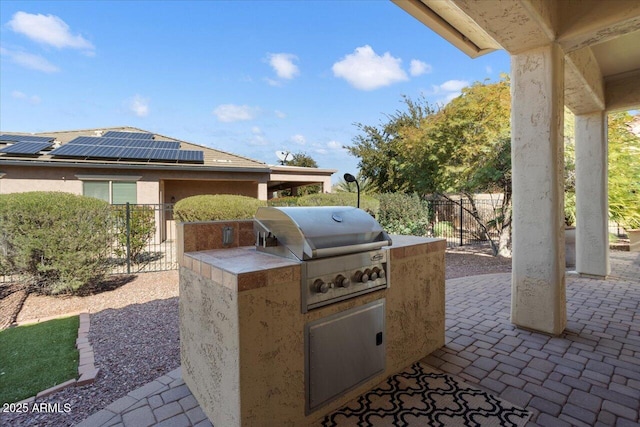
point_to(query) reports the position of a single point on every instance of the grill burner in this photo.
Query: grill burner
(339, 246)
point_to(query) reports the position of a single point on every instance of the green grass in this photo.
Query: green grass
(36, 357)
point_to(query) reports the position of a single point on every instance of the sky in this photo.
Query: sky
(247, 77)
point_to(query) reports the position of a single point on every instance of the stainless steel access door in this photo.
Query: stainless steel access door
(342, 351)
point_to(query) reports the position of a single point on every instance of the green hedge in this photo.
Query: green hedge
(367, 203)
(216, 207)
(283, 201)
(60, 241)
(403, 214)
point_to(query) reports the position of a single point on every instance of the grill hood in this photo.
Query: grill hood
(306, 233)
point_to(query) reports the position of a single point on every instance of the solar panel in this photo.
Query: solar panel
(72, 150)
(111, 147)
(20, 138)
(106, 152)
(190, 156)
(163, 154)
(135, 153)
(26, 147)
(128, 135)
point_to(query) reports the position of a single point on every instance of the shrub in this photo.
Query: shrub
(141, 229)
(216, 207)
(283, 201)
(403, 214)
(367, 203)
(60, 241)
(443, 229)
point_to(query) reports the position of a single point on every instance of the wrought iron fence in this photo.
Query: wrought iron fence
(144, 238)
(453, 221)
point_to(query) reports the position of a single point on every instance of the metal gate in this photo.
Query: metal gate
(144, 238)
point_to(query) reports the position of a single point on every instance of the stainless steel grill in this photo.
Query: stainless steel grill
(317, 232)
(341, 255)
(340, 247)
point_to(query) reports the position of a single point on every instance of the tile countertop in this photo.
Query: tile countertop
(247, 259)
(240, 260)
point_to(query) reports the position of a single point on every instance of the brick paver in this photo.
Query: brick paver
(590, 375)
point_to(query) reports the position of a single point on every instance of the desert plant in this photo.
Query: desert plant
(570, 208)
(59, 241)
(216, 207)
(401, 213)
(142, 226)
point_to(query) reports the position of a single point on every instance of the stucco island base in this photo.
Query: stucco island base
(242, 329)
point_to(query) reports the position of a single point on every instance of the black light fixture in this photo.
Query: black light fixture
(350, 178)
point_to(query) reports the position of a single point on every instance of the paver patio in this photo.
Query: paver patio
(590, 375)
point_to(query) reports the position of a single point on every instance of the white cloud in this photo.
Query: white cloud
(366, 70)
(29, 60)
(418, 68)
(334, 145)
(453, 85)
(283, 65)
(449, 90)
(258, 137)
(280, 114)
(31, 99)
(49, 30)
(233, 113)
(139, 105)
(299, 139)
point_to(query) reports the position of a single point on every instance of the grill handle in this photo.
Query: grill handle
(342, 250)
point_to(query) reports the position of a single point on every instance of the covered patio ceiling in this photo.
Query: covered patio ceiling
(590, 32)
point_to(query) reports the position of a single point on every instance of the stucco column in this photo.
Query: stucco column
(538, 297)
(592, 198)
(262, 191)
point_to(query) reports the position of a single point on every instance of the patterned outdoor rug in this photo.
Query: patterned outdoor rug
(421, 396)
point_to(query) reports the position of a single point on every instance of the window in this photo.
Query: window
(115, 192)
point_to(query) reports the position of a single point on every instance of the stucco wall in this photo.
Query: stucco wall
(20, 180)
(17, 179)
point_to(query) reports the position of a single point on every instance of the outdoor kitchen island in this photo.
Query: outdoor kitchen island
(242, 331)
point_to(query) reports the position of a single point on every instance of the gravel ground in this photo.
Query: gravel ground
(134, 333)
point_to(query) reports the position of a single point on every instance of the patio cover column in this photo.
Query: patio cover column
(262, 191)
(538, 297)
(592, 204)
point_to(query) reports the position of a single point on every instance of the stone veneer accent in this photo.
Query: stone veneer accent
(87, 372)
(242, 330)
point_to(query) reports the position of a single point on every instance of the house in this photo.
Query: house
(126, 164)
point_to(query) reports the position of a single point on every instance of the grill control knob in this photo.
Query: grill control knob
(359, 276)
(381, 273)
(366, 276)
(320, 286)
(342, 281)
(375, 273)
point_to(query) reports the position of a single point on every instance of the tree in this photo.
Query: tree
(366, 185)
(306, 161)
(302, 160)
(463, 148)
(624, 171)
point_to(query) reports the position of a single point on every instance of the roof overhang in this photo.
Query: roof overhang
(600, 40)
